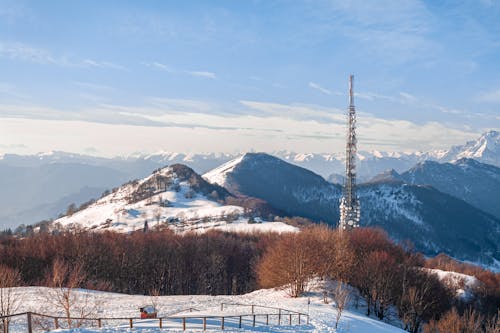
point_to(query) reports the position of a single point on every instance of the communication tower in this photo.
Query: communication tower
(349, 203)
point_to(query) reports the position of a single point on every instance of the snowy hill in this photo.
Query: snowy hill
(174, 197)
(322, 316)
(434, 221)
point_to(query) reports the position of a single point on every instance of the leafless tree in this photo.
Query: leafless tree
(340, 295)
(9, 303)
(288, 263)
(63, 295)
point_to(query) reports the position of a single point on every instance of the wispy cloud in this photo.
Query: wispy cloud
(163, 67)
(20, 51)
(102, 64)
(158, 65)
(93, 86)
(319, 88)
(208, 75)
(24, 52)
(490, 96)
(263, 125)
(394, 32)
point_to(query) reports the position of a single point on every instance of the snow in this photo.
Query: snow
(463, 284)
(218, 175)
(322, 316)
(177, 208)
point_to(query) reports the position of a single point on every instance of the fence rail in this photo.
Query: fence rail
(281, 317)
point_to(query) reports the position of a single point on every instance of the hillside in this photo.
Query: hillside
(434, 221)
(476, 183)
(174, 197)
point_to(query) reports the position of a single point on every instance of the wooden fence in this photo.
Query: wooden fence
(256, 314)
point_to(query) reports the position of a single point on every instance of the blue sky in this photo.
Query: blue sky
(119, 77)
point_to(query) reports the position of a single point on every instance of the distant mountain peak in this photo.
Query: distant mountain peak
(388, 176)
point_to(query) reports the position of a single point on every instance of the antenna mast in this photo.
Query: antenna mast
(349, 203)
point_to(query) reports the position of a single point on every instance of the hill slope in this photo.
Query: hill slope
(432, 220)
(173, 197)
(467, 179)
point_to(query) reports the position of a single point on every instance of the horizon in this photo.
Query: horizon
(120, 77)
(219, 153)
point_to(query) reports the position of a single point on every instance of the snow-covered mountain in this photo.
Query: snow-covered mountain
(174, 197)
(476, 183)
(41, 186)
(486, 149)
(434, 221)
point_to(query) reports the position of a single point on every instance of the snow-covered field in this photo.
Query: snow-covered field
(322, 316)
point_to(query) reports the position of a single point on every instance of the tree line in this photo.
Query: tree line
(137, 263)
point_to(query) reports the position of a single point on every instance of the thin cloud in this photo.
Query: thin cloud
(20, 51)
(24, 52)
(158, 65)
(490, 96)
(319, 88)
(93, 86)
(204, 74)
(102, 64)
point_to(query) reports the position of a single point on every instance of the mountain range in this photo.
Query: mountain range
(41, 186)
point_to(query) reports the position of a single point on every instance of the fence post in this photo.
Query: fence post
(30, 327)
(99, 323)
(56, 323)
(253, 321)
(4, 322)
(161, 322)
(222, 324)
(279, 317)
(131, 324)
(240, 323)
(267, 319)
(299, 318)
(290, 320)
(204, 323)
(184, 323)
(307, 319)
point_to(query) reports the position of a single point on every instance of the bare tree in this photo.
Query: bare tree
(155, 297)
(63, 281)
(340, 295)
(288, 263)
(9, 303)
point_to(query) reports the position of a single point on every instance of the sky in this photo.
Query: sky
(124, 77)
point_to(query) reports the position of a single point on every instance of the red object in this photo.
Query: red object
(148, 312)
